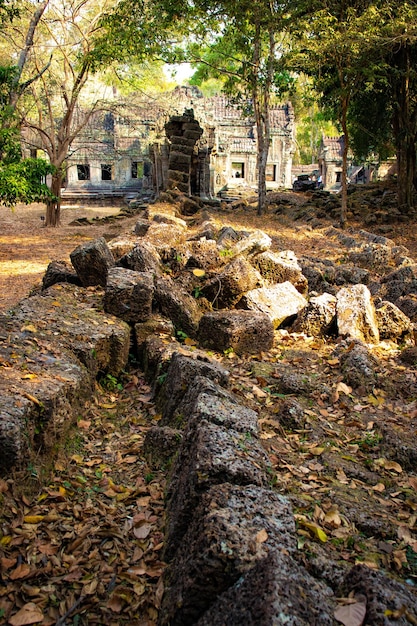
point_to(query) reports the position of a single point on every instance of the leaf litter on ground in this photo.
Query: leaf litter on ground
(85, 546)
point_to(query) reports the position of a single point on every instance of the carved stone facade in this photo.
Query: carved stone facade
(196, 144)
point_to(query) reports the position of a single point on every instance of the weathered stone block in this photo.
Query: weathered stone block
(317, 317)
(37, 412)
(161, 445)
(92, 262)
(276, 591)
(384, 596)
(71, 315)
(226, 288)
(59, 272)
(155, 325)
(141, 227)
(192, 134)
(279, 267)
(129, 294)
(246, 332)
(178, 306)
(181, 374)
(142, 258)
(256, 242)
(356, 316)
(400, 283)
(179, 162)
(178, 177)
(393, 323)
(208, 455)
(203, 254)
(164, 218)
(163, 234)
(206, 400)
(279, 302)
(157, 355)
(232, 529)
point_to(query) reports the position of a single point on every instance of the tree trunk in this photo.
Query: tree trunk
(404, 126)
(343, 210)
(261, 104)
(53, 207)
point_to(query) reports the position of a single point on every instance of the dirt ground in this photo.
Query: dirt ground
(27, 247)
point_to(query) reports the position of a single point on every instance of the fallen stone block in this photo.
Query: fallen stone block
(155, 325)
(226, 288)
(59, 272)
(178, 306)
(245, 332)
(208, 455)
(43, 387)
(254, 243)
(157, 353)
(143, 257)
(280, 302)
(384, 597)
(318, 317)
(70, 316)
(92, 261)
(206, 400)
(129, 294)
(276, 591)
(401, 282)
(165, 234)
(356, 316)
(232, 529)
(393, 323)
(160, 445)
(358, 366)
(120, 246)
(203, 254)
(181, 374)
(279, 267)
(141, 227)
(164, 218)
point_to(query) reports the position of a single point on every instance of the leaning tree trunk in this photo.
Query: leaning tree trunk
(53, 206)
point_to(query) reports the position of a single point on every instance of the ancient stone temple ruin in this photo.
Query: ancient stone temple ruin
(196, 144)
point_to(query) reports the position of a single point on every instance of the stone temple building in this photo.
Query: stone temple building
(199, 145)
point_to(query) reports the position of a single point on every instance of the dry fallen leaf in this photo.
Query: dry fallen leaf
(30, 613)
(20, 572)
(351, 614)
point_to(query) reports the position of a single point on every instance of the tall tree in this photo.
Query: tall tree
(238, 40)
(333, 39)
(55, 48)
(21, 180)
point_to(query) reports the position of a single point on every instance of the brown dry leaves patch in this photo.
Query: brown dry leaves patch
(85, 548)
(351, 503)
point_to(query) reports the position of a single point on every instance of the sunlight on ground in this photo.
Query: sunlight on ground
(15, 268)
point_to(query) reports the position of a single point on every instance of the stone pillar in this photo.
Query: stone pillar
(183, 132)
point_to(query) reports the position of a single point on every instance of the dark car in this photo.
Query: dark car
(304, 183)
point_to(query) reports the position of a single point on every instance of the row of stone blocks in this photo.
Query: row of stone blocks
(53, 346)
(230, 539)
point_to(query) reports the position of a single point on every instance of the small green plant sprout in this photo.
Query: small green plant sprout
(197, 291)
(225, 252)
(110, 383)
(181, 335)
